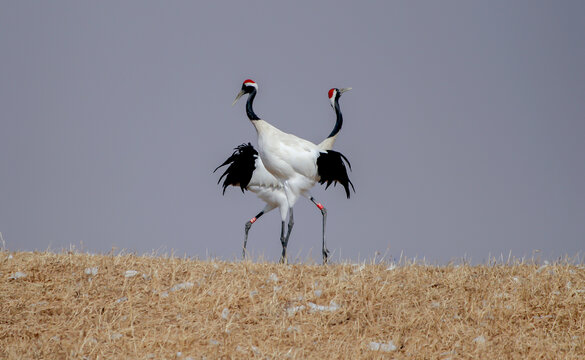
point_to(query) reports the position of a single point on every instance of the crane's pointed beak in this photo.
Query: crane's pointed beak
(344, 90)
(242, 92)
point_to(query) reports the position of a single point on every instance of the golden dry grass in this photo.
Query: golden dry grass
(184, 308)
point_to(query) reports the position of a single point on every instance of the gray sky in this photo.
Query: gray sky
(465, 126)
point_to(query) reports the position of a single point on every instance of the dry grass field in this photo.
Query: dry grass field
(80, 306)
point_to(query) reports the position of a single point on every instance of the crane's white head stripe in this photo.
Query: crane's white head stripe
(251, 83)
(332, 95)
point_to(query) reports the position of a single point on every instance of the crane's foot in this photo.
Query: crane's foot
(325, 256)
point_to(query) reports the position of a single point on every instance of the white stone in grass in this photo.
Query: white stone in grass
(121, 300)
(91, 271)
(479, 340)
(181, 286)
(333, 306)
(225, 313)
(131, 273)
(375, 346)
(213, 342)
(116, 336)
(386, 347)
(273, 277)
(453, 352)
(318, 293)
(164, 294)
(294, 309)
(17, 275)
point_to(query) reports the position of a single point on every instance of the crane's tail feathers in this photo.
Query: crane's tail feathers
(242, 163)
(344, 158)
(332, 170)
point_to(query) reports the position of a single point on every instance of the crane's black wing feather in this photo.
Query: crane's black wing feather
(242, 164)
(331, 169)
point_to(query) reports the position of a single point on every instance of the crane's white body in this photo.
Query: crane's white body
(263, 183)
(268, 189)
(290, 159)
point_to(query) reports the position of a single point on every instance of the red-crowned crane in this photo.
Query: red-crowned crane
(296, 163)
(247, 171)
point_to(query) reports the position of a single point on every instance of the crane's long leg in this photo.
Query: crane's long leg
(248, 225)
(284, 240)
(246, 229)
(290, 200)
(324, 213)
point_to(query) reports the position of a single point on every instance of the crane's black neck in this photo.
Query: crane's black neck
(249, 111)
(339, 121)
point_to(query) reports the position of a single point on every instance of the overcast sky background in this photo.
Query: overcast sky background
(465, 126)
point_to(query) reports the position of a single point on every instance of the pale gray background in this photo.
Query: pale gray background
(465, 126)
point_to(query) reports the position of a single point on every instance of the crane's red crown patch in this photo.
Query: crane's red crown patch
(331, 93)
